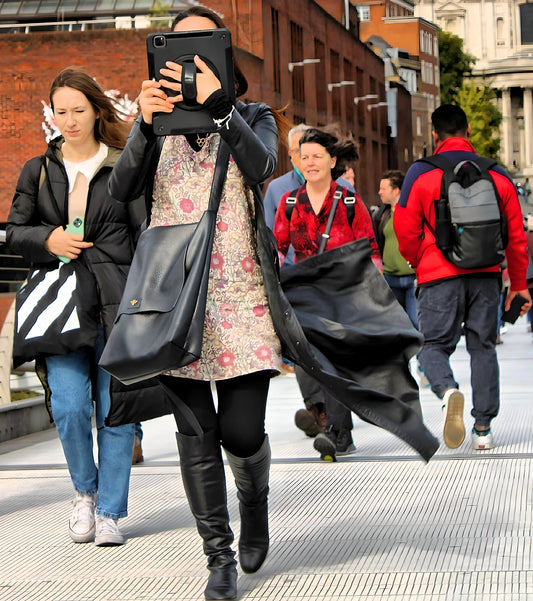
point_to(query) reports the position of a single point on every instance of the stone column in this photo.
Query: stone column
(507, 135)
(528, 128)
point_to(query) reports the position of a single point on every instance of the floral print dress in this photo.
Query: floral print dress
(239, 336)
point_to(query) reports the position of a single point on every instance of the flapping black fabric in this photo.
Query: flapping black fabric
(338, 320)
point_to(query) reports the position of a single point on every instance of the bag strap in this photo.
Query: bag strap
(219, 176)
(185, 410)
(325, 236)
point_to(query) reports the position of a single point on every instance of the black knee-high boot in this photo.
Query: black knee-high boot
(202, 471)
(251, 478)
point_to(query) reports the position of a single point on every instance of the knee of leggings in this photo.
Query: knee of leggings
(242, 446)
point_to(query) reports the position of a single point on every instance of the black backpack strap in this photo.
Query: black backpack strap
(441, 162)
(349, 203)
(290, 202)
(485, 163)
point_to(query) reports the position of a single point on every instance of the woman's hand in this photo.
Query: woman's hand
(153, 99)
(206, 81)
(61, 243)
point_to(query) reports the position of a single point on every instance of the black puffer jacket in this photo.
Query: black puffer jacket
(40, 205)
(252, 138)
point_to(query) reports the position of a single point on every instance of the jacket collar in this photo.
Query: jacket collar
(455, 143)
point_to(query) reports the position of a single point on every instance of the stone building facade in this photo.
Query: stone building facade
(500, 35)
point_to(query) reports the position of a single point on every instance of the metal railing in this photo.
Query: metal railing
(121, 22)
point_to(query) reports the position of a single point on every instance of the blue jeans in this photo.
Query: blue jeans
(403, 288)
(69, 378)
(445, 311)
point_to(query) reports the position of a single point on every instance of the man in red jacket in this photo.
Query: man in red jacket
(452, 300)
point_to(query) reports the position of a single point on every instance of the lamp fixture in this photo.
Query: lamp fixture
(367, 97)
(340, 84)
(369, 107)
(306, 61)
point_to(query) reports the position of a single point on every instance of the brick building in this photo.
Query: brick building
(268, 35)
(412, 47)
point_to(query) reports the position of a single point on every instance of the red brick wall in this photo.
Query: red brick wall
(115, 58)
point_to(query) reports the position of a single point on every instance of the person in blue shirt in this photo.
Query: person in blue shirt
(288, 181)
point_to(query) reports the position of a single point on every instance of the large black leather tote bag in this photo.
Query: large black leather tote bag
(160, 320)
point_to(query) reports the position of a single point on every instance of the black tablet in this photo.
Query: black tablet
(213, 46)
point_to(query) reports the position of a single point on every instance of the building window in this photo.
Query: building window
(320, 72)
(298, 81)
(275, 51)
(500, 36)
(334, 70)
(363, 12)
(373, 111)
(348, 93)
(526, 23)
(360, 91)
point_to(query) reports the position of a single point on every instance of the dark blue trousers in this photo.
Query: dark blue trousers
(448, 309)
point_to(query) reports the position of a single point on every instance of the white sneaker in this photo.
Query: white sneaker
(81, 525)
(454, 428)
(107, 532)
(482, 441)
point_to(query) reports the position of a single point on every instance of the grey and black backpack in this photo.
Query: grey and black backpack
(470, 229)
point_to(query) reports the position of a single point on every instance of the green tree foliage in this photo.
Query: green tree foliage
(454, 64)
(160, 9)
(483, 116)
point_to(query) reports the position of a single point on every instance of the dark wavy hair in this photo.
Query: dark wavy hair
(343, 148)
(108, 128)
(241, 83)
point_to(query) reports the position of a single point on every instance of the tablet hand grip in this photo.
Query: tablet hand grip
(188, 83)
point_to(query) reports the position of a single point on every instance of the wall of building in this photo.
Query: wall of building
(117, 59)
(492, 31)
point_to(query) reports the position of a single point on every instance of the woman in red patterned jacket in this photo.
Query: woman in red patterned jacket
(323, 159)
(302, 223)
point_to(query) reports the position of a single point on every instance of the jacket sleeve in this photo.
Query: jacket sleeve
(26, 234)
(516, 251)
(254, 147)
(129, 175)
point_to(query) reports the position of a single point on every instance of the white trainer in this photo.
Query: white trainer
(454, 428)
(482, 441)
(81, 526)
(107, 532)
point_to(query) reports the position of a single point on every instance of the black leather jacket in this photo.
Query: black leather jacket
(40, 205)
(252, 138)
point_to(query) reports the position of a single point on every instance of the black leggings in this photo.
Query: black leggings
(240, 419)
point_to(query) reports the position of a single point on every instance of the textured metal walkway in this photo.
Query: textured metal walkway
(380, 524)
